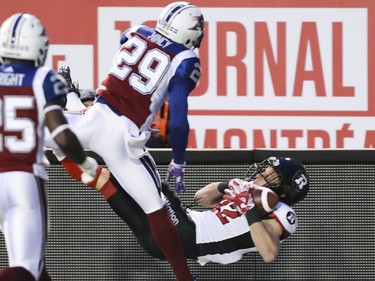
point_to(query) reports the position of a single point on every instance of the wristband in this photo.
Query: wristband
(222, 186)
(252, 216)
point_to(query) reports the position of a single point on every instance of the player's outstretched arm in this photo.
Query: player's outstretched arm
(68, 141)
(265, 236)
(264, 233)
(213, 193)
(209, 195)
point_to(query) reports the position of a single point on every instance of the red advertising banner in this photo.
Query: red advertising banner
(295, 75)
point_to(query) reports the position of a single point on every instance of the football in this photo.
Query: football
(264, 198)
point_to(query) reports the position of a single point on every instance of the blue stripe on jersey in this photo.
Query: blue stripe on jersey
(27, 71)
(146, 31)
(184, 71)
(148, 164)
(123, 37)
(15, 26)
(54, 88)
(176, 48)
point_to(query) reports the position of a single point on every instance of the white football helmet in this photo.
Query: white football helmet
(23, 37)
(182, 22)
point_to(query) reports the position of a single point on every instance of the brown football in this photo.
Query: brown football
(265, 199)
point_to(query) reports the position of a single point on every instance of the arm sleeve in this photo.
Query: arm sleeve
(179, 88)
(55, 90)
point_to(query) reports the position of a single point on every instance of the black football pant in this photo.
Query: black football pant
(133, 215)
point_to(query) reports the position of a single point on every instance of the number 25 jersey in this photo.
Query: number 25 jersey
(24, 91)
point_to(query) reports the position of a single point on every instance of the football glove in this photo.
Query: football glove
(242, 200)
(64, 71)
(239, 185)
(89, 170)
(177, 171)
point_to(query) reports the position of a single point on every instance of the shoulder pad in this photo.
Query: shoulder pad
(286, 216)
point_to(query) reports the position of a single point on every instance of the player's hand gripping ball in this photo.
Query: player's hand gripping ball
(264, 198)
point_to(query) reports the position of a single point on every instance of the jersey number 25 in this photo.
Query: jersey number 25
(11, 123)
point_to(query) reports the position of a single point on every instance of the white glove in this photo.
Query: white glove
(89, 169)
(238, 185)
(239, 193)
(242, 200)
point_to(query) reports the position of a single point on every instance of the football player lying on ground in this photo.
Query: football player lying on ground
(235, 226)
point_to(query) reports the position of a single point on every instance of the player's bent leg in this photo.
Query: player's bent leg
(27, 213)
(132, 214)
(141, 181)
(167, 238)
(164, 232)
(184, 224)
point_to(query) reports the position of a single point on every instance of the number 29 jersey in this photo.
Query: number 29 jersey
(147, 69)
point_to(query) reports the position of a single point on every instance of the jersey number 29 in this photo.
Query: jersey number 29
(142, 66)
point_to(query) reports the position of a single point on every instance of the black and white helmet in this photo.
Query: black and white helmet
(183, 23)
(292, 183)
(23, 37)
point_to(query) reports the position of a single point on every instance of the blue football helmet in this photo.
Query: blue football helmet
(291, 181)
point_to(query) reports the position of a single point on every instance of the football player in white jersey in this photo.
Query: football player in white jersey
(31, 98)
(228, 231)
(229, 227)
(151, 66)
(221, 234)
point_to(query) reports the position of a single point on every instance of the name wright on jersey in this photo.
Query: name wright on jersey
(11, 79)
